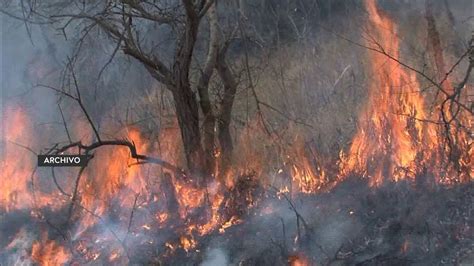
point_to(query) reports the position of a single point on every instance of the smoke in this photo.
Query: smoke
(16, 253)
(215, 257)
(15, 247)
(27, 62)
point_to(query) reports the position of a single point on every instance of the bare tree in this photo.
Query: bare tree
(137, 28)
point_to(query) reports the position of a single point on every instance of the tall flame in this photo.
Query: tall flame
(19, 186)
(15, 177)
(392, 137)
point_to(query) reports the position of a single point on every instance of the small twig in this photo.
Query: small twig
(57, 184)
(64, 123)
(293, 208)
(74, 195)
(24, 147)
(131, 215)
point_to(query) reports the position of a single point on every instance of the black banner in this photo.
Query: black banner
(62, 160)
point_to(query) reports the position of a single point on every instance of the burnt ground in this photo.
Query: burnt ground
(397, 224)
(401, 223)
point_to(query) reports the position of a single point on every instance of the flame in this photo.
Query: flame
(405, 246)
(383, 142)
(49, 253)
(393, 141)
(20, 188)
(307, 175)
(15, 161)
(187, 242)
(189, 197)
(233, 221)
(298, 260)
(114, 255)
(215, 218)
(162, 217)
(109, 176)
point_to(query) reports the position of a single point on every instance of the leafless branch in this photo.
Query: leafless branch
(125, 143)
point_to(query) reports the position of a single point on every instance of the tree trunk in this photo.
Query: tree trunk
(187, 108)
(230, 87)
(209, 123)
(188, 120)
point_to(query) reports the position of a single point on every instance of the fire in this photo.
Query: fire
(215, 218)
(49, 253)
(114, 255)
(234, 220)
(187, 242)
(162, 217)
(405, 246)
(298, 260)
(20, 187)
(306, 172)
(393, 141)
(189, 197)
(383, 142)
(112, 175)
(15, 161)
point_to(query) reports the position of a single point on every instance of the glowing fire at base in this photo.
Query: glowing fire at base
(298, 260)
(49, 253)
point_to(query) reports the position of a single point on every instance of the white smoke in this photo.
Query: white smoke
(215, 257)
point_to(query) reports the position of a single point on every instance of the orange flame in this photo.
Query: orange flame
(49, 253)
(20, 188)
(15, 161)
(392, 140)
(298, 260)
